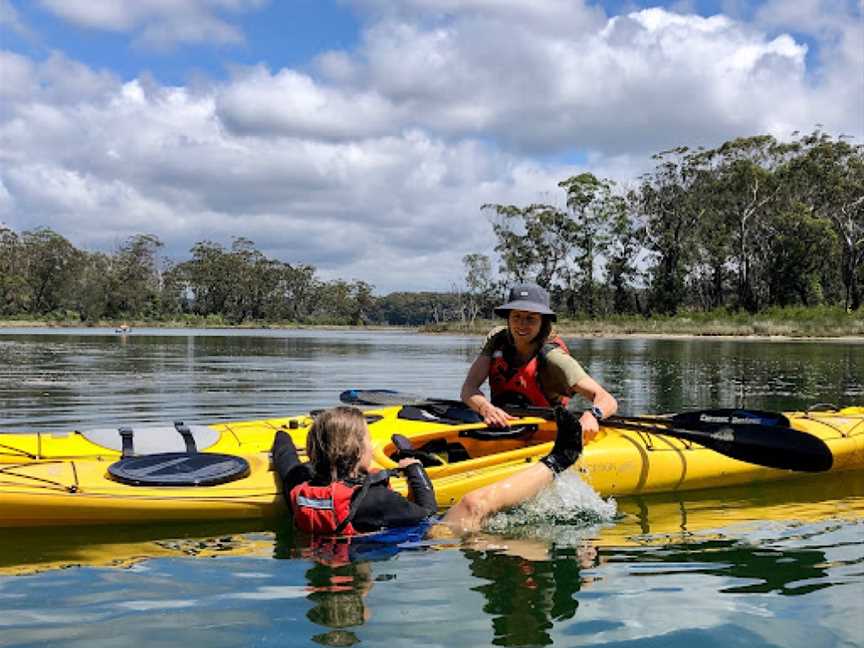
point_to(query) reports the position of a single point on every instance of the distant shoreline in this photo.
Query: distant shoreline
(665, 329)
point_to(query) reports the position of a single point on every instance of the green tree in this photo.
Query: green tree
(136, 277)
(95, 287)
(798, 247)
(671, 213)
(827, 176)
(534, 242)
(622, 254)
(480, 286)
(50, 265)
(592, 206)
(13, 285)
(742, 197)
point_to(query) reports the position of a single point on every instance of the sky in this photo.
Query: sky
(363, 136)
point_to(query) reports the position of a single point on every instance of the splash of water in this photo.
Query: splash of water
(568, 502)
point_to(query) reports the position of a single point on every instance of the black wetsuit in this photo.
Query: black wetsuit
(380, 507)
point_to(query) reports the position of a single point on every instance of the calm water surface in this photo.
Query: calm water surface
(775, 565)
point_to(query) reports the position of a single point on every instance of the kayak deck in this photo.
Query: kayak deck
(52, 479)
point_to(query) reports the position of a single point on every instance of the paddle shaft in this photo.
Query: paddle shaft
(773, 446)
(766, 445)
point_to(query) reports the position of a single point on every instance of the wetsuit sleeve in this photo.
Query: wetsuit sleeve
(290, 470)
(420, 486)
(383, 508)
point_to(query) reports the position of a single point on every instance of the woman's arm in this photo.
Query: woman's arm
(591, 390)
(383, 508)
(474, 398)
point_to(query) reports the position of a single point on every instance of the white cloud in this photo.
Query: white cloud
(157, 23)
(375, 166)
(397, 210)
(292, 104)
(636, 82)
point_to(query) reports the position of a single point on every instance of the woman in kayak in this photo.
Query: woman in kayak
(527, 363)
(337, 493)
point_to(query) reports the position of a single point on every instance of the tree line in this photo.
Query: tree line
(42, 275)
(751, 224)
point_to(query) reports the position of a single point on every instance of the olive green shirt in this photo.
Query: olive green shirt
(557, 373)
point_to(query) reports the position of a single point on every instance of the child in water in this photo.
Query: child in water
(336, 493)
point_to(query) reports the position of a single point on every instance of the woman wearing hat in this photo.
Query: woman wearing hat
(526, 363)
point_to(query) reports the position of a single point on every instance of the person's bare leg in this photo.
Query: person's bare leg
(469, 513)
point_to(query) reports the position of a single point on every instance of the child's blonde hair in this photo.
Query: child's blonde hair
(335, 443)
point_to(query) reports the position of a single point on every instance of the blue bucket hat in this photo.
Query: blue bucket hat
(527, 297)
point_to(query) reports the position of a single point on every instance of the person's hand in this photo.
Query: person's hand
(590, 426)
(404, 463)
(495, 416)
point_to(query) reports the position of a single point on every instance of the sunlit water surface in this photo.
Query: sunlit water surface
(774, 565)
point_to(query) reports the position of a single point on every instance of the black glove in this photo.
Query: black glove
(568, 442)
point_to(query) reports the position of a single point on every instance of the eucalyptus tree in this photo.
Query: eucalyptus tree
(94, 289)
(827, 176)
(738, 185)
(136, 277)
(624, 247)
(252, 281)
(208, 277)
(481, 287)
(671, 212)
(534, 242)
(13, 287)
(362, 302)
(50, 264)
(798, 247)
(592, 206)
(297, 292)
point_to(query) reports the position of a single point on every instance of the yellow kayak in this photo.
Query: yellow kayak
(68, 478)
(665, 519)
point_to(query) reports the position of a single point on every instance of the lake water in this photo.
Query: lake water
(774, 565)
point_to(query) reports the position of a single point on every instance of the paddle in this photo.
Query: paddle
(727, 432)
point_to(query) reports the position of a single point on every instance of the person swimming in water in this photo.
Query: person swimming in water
(337, 493)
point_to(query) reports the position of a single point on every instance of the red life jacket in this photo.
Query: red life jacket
(319, 510)
(515, 385)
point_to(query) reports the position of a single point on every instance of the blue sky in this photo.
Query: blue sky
(362, 136)
(282, 34)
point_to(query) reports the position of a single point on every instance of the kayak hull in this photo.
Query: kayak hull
(62, 479)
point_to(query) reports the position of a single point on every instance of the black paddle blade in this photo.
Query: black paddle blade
(771, 445)
(766, 445)
(739, 416)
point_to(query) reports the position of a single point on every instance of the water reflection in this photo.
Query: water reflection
(338, 595)
(57, 380)
(526, 595)
(761, 569)
(620, 582)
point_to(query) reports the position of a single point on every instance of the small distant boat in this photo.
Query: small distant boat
(123, 329)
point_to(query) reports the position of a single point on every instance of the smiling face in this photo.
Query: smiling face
(524, 326)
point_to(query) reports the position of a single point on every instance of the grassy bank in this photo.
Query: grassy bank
(191, 322)
(788, 322)
(817, 321)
